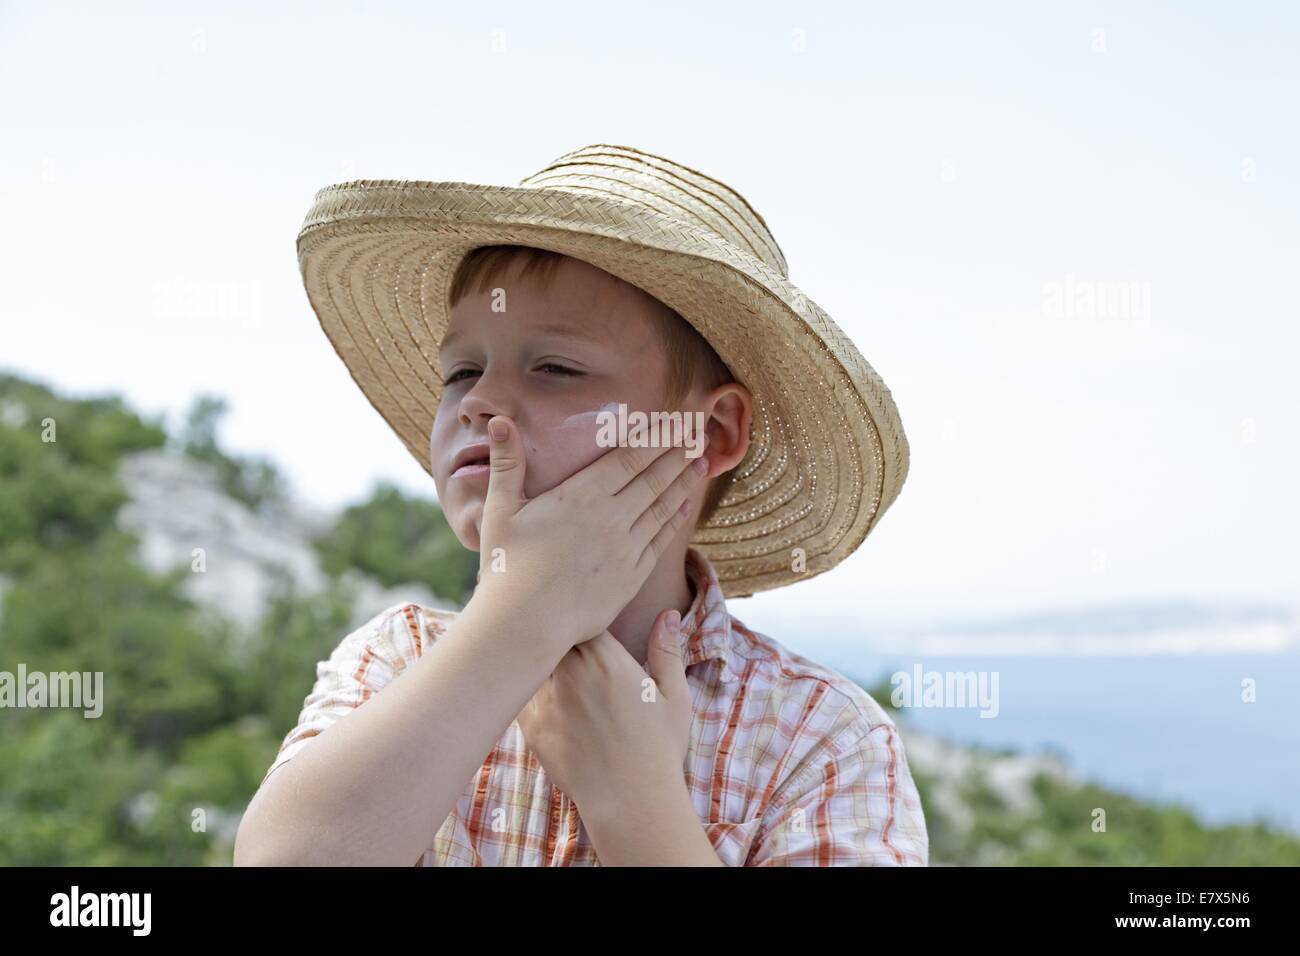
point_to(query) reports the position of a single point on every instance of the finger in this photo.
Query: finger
(619, 467)
(655, 480)
(505, 493)
(659, 544)
(661, 509)
(665, 663)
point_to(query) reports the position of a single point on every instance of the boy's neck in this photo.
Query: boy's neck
(667, 587)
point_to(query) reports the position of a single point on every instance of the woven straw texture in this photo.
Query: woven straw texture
(827, 452)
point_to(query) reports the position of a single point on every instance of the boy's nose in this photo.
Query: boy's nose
(491, 393)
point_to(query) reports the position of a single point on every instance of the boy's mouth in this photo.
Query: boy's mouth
(472, 461)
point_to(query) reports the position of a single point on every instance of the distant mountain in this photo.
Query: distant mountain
(1127, 629)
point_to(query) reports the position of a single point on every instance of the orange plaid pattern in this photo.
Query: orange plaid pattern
(789, 763)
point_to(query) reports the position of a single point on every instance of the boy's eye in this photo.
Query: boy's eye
(551, 367)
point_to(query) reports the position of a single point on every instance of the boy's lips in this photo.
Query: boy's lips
(472, 461)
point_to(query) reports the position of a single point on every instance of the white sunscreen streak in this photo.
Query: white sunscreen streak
(585, 419)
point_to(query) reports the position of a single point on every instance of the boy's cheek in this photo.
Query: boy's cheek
(565, 453)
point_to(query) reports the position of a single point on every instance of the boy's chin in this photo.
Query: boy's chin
(465, 525)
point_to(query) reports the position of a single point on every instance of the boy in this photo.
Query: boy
(595, 703)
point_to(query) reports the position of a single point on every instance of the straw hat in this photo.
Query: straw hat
(827, 452)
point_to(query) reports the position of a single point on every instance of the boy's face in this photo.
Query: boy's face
(548, 361)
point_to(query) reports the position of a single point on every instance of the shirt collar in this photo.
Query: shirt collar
(706, 626)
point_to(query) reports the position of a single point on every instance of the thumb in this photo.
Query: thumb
(505, 493)
(664, 662)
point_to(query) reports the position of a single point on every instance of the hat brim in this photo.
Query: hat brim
(827, 452)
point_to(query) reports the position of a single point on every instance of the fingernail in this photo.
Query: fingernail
(498, 430)
(701, 464)
(674, 619)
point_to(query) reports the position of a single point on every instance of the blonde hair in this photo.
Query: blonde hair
(692, 361)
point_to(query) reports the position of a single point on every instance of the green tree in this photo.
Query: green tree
(398, 539)
(252, 480)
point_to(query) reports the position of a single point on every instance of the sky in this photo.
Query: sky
(1064, 234)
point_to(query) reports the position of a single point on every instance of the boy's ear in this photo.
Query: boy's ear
(728, 410)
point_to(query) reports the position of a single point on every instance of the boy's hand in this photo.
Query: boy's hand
(576, 555)
(611, 737)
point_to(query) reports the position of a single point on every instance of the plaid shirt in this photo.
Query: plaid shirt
(789, 762)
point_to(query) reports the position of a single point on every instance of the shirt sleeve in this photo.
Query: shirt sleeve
(362, 664)
(854, 805)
